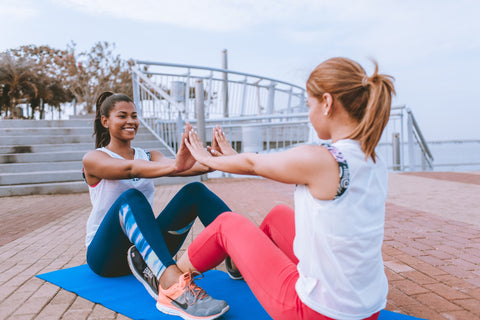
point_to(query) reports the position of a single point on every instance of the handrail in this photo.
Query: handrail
(422, 141)
(164, 144)
(215, 69)
(162, 92)
(266, 115)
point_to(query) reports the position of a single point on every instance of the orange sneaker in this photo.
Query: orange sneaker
(189, 301)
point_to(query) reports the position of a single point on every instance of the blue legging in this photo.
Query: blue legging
(107, 253)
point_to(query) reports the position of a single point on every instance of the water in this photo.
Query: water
(451, 155)
(456, 155)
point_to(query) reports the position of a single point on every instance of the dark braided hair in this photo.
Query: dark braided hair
(105, 103)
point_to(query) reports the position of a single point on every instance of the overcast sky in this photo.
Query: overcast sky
(432, 48)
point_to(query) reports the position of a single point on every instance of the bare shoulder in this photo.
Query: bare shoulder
(316, 154)
(93, 155)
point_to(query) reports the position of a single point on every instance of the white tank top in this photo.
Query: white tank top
(104, 193)
(339, 242)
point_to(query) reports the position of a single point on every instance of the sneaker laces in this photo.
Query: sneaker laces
(197, 292)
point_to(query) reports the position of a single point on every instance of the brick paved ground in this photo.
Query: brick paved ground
(431, 248)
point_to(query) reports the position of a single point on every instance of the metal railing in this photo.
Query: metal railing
(166, 96)
(402, 144)
(258, 114)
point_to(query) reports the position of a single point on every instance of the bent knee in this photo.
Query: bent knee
(278, 213)
(195, 187)
(230, 218)
(133, 193)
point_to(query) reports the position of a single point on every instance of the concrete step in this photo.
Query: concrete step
(40, 177)
(54, 156)
(46, 131)
(74, 187)
(58, 139)
(148, 144)
(42, 156)
(40, 166)
(17, 123)
(43, 188)
(54, 131)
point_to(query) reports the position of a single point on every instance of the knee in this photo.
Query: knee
(195, 188)
(228, 219)
(133, 194)
(278, 213)
(134, 199)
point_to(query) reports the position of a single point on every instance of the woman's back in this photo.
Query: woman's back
(338, 242)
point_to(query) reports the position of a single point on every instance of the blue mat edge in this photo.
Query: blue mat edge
(384, 314)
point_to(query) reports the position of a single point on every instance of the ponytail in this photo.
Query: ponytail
(366, 99)
(102, 136)
(377, 112)
(105, 103)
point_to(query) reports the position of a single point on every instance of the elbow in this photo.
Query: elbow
(251, 168)
(131, 171)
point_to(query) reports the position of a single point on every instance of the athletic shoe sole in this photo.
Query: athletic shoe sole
(140, 277)
(172, 310)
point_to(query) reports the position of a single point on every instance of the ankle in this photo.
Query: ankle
(169, 277)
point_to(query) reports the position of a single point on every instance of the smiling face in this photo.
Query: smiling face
(122, 121)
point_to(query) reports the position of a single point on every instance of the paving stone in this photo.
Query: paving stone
(432, 262)
(441, 304)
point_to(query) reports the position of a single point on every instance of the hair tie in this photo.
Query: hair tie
(365, 81)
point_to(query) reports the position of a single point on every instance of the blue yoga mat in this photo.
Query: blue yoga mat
(127, 296)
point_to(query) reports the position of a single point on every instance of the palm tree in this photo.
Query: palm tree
(18, 79)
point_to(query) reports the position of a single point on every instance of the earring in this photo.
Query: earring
(325, 113)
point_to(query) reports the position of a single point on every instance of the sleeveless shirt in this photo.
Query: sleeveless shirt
(339, 242)
(106, 192)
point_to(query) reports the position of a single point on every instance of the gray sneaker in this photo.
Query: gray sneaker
(232, 269)
(189, 301)
(142, 272)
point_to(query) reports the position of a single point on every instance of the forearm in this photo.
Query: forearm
(197, 169)
(243, 163)
(153, 169)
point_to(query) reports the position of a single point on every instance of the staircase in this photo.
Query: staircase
(45, 157)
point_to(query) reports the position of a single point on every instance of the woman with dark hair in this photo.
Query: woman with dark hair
(122, 191)
(323, 260)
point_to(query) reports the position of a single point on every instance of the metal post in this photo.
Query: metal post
(396, 151)
(136, 93)
(289, 104)
(179, 131)
(244, 96)
(271, 98)
(225, 84)
(200, 111)
(411, 143)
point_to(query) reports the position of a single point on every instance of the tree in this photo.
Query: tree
(18, 78)
(97, 71)
(41, 75)
(51, 67)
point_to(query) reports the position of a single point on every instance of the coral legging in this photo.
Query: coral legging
(263, 255)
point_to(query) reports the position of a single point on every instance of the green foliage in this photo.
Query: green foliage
(18, 79)
(39, 75)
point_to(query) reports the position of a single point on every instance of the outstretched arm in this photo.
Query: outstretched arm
(295, 166)
(98, 165)
(310, 165)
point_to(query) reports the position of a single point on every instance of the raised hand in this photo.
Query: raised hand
(195, 146)
(184, 159)
(220, 144)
